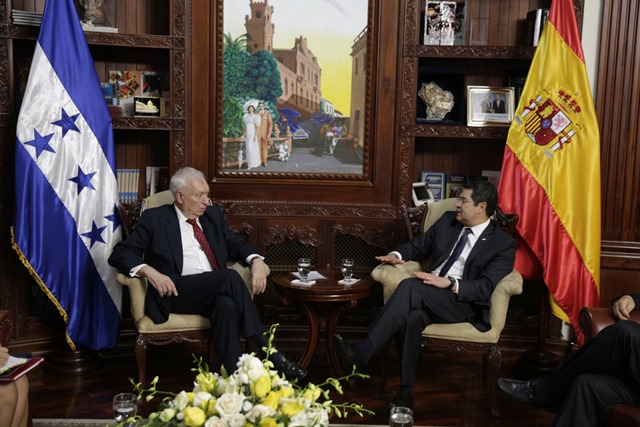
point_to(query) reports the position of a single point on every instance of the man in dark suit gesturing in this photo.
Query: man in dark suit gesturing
(469, 255)
(182, 251)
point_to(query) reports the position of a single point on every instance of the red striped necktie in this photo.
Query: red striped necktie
(204, 243)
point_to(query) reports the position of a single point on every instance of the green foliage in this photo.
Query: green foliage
(233, 125)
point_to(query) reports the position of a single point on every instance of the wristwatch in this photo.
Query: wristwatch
(452, 282)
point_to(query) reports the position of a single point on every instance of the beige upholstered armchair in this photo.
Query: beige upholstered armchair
(179, 327)
(458, 336)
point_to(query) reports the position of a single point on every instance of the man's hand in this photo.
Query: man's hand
(258, 276)
(163, 284)
(4, 355)
(432, 279)
(390, 259)
(623, 307)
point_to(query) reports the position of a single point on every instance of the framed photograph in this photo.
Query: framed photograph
(294, 101)
(489, 106)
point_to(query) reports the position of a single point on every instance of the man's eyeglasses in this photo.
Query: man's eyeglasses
(463, 200)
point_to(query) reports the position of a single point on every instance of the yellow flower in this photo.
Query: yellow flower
(272, 399)
(207, 382)
(291, 408)
(267, 422)
(286, 391)
(190, 396)
(261, 387)
(312, 393)
(194, 417)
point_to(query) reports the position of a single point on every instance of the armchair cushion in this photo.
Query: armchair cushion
(176, 322)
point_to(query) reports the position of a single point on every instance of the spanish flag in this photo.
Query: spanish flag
(551, 170)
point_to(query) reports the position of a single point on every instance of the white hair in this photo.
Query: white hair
(183, 177)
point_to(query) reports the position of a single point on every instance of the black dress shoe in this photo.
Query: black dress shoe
(523, 393)
(291, 370)
(347, 354)
(404, 398)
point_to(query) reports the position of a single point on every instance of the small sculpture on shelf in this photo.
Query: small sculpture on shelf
(439, 102)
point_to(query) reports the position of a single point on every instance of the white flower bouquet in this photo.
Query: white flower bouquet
(253, 396)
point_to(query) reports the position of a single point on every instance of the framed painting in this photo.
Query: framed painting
(294, 88)
(489, 106)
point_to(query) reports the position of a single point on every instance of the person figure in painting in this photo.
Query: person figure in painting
(264, 132)
(252, 146)
(486, 104)
(499, 105)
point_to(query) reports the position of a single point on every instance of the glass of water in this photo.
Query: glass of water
(125, 406)
(347, 269)
(304, 266)
(401, 417)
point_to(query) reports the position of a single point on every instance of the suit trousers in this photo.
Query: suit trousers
(411, 308)
(224, 299)
(602, 373)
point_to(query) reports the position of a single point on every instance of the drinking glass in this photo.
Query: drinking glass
(125, 406)
(401, 417)
(347, 269)
(304, 266)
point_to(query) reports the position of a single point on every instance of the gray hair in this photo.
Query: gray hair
(183, 177)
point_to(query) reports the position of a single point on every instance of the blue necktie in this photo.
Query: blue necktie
(456, 252)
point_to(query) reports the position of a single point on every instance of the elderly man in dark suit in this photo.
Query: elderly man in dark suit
(469, 255)
(182, 251)
(602, 373)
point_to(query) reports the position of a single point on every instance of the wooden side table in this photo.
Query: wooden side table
(322, 303)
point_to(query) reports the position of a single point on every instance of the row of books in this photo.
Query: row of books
(127, 184)
(442, 186)
(156, 179)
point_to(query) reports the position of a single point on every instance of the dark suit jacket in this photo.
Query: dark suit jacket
(156, 241)
(490, 260)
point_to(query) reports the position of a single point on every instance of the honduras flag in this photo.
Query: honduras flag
(66, 218)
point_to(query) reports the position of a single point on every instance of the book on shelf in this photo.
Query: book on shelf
(17, 367)
(128, 185)
(454, 185)
(157, 179)
(535, 23)
(436, 182)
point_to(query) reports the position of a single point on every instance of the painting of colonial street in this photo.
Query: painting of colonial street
(294, 86)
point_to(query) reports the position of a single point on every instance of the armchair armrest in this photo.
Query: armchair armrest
(389, 276)
(594, 319)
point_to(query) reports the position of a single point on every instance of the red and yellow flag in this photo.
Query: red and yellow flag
(551, 170)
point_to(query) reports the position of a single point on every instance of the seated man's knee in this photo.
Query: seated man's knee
(625, 329)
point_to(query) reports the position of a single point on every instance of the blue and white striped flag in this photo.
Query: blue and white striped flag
(66, 219)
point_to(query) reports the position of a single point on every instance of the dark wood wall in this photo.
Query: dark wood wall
(618, 110)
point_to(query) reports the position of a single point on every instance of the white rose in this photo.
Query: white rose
(215, 422)
(229, 404)
(236, 420)
(180, 401)
(259, 411)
